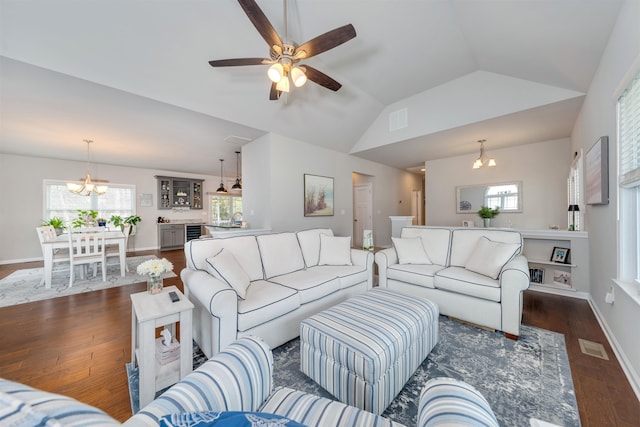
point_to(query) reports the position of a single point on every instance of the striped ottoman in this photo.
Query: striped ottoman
(364, 349)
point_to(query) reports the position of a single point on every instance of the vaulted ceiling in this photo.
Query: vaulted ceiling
(134, 77)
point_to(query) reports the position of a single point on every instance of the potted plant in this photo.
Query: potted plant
(57, 223)
(486, 213)
(118, 221)
(101, 222)
(86, 218)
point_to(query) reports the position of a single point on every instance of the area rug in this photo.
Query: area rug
(24, 286)
(528, 378)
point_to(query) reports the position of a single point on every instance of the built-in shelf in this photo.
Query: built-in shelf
(538, 248)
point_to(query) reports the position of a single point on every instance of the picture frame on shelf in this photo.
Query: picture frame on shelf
(560, 255)
(561, 277)
(468, 223)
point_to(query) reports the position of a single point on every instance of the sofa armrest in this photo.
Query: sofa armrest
(384, 259)
(215, 314)
(447, 401)
(362, 258)
(239, 378)
(514, 279)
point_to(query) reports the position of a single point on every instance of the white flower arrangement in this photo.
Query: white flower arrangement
(154, 267)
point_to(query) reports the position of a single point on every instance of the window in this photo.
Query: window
(504, 197)
(629, 180)
(574, 192)
(225, 208)
(60, 202)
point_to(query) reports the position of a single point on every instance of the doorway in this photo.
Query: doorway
(417, 203)
(362, 207)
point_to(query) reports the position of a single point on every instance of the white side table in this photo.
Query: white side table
(149, 312)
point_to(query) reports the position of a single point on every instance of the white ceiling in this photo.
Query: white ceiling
(133, 75)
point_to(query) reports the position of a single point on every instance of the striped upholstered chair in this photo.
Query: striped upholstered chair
(240, 379)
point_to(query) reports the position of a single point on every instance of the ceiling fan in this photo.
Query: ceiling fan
(285, 56)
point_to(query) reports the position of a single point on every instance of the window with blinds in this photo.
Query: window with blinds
(629, 133)
(629, 181)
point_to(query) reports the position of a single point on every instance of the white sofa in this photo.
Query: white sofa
(266, 285)
(474, 274)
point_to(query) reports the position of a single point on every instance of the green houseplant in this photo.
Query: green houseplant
(57, 223)
(86, 218)
(118, 221)
(486, 213)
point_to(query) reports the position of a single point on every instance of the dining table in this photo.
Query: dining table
(62, 241)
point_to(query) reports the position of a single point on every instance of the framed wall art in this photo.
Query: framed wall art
(318, 195)
(597, 172)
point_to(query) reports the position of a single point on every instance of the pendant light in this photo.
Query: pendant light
(482, 160)
(221, 189)
(237, 185)
(88, 186)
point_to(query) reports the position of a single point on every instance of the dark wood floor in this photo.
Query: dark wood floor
(78, 346)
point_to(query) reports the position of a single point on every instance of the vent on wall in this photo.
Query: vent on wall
(398, 120)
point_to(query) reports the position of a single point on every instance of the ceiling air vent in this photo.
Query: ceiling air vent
(398, 120)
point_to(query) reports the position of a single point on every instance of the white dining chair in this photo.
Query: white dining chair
(84, 249)
(113, 250)
(47, 232)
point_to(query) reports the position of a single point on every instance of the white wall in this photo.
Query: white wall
(542, 167)
(287, 162)
(22, 209)
(598, 118)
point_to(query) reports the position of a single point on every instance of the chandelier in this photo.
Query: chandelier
(88, 186)
(221, 189)
(482, 160)
(238, 184)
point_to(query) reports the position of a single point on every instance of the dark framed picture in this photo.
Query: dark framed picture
(560, 255)
(318, 195)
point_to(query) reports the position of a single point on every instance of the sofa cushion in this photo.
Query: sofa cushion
(315, 411)
(463, 242)
(225, 266)
(488, 257)
(335, 250)
(265, 301)
(436, 242)
(348, 275)
(416, 274)
(281, 254)
(410, 250)
(311, 284)
(244, 249)
(310, 244)
(463, 281)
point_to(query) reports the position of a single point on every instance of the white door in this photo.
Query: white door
(362, 212)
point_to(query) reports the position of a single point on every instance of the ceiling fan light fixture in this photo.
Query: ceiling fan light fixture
(298, 76)
(283, 85)
(275, 72)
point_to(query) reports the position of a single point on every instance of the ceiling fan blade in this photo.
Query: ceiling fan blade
(238, 61)
(274, 94)
(260, 21)
(321, 78)
(327, 41)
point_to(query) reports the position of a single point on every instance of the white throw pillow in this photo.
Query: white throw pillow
(335, 250)
(410, 250)
(225, 266)
(488, 257)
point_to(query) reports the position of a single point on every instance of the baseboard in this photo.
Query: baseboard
(629, 372)
(18, 261)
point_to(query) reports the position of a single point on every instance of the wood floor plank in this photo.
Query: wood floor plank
(78, 346)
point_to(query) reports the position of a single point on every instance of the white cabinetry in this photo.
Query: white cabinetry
(538, 248)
